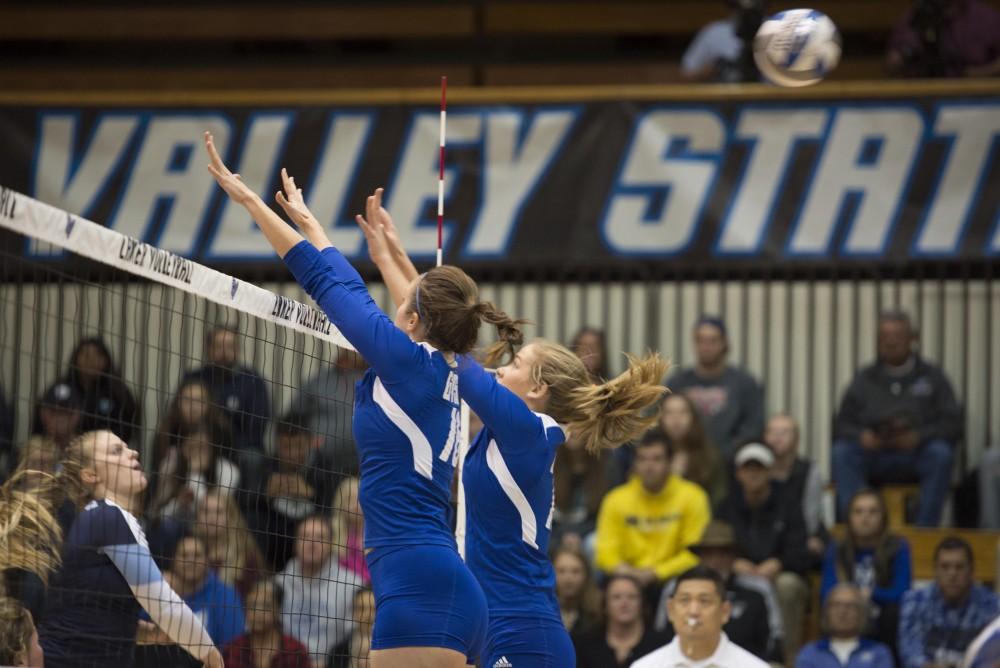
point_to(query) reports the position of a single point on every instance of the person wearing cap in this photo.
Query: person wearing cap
(845, 614)
(59, 414)
(698, 610)
(729, 399)
(755, 620)
(770, 535)
(645, 526)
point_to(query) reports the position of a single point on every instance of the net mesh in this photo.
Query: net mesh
(242, 427)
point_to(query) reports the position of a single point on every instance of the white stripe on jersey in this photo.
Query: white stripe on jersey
(548, 423)
(529, 527)
(423, 455)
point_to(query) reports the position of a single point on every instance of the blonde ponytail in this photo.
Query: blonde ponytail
(30, 537)
(16, 628)
(605, 415)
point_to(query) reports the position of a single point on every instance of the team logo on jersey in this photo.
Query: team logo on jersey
(502, 662)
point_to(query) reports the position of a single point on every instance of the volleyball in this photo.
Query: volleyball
(797, 47)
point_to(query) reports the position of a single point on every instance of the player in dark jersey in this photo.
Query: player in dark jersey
(527, 411)
(107, 573)
(430, 611)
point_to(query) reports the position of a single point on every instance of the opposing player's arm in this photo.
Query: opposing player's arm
(164, 606)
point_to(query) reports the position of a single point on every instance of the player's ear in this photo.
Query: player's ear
(540, 392)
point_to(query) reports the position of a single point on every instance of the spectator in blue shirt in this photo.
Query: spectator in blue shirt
(845, 614)
(876, 561)
(940, 621)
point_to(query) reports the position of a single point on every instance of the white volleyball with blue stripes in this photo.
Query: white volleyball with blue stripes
(797, 47)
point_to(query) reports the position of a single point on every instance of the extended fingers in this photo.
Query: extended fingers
(213, 154)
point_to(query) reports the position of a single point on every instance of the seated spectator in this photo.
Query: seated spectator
(898, 422)
(989, 489)
(59, 414)
(107, 401)
(242, 395)
(721, 51)
(946, 38)
(755, 618)
(645, 526)
(580, 481)
(349, 528)
(695, 458)
(264, 643)
(327, 402)
(984, 652)
(579, 600)
(318, 590)
(354, 650)
(591, 346)
(698, 609)
(624, 636)
(198, 469)
(799, 478)
(939, 622)
(770, 535)
(874, 560)
(191, 406)
(845, 615)
(232, 551)
(730, 401)
(217, 605)
(297, 482)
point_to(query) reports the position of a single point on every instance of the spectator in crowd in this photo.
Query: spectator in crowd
(771, 536)
(355, 648)
(198, 469)
(729, 400)
(231, 549)
(349, 528)
(624, 637)
(191, 406)
(946, 38)
(695, 458)
(579, 600)
(59, 414)
(645, 526)
(939, 622)
(591, 346)
(898, 421)
(798, 477)
(984, 652)
(755, 619)
(698, 610)
(580, 481)
(242, 395)
(297, 482)
(721, 50)
(217, 605)
(107, 401)
(7, 455)
(875, 560)
(989, 489)
(318, 591)
(327, 402)
(265, 644)
(845, 615)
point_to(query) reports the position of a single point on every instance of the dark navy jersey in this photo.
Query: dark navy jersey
(507, 479)
(91, 613)
(406, 409)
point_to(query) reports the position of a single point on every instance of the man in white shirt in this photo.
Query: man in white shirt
(698, 609)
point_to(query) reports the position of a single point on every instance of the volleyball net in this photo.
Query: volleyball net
(239, 400)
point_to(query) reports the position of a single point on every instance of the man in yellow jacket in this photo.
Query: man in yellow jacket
(645, 527)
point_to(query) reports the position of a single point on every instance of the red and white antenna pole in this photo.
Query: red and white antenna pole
(444, 106)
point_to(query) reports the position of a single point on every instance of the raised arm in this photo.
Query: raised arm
(385, 248)
(278, 233)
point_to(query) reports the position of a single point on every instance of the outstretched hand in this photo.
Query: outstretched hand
(238, 191)
(292, 202)
(373, 225)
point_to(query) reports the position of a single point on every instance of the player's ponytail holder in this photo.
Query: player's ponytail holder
(417, 296)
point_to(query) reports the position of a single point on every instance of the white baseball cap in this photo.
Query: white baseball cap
(754, 452)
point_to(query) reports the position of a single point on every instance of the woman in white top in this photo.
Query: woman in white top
(698, 609)
(197, 468)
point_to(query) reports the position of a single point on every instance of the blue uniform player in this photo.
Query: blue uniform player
(107, 574)
(430, 611)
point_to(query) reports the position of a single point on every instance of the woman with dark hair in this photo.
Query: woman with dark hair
(191, 405)
(876, 561)
(107, 401)
(265, 644)
(580, 480)
(695, 458)
(591, 346)
(579, 600)
(624, 637)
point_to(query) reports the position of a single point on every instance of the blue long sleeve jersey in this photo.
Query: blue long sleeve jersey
(107, 575)
(507, 478)
(406, 409)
